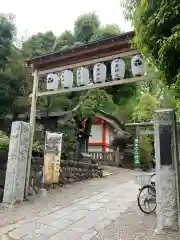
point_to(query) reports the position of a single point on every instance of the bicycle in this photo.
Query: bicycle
(149, 191)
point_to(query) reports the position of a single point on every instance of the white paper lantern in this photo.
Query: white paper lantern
(52, 81)
(117, 69)
(99, 73)
(82, 76)
(66, 79)
(138, 66)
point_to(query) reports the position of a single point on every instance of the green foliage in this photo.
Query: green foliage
(146, 149)
(37, 147)
(85, 26)
(125, 111)
(7, 30)
(54, 103)
(129, 7)
(39, 44)
(10, 89)
(158, 35)
(66, 39)
(144, 111)
(92, 101)
(69, 137)
(4, 141)
(110, 30)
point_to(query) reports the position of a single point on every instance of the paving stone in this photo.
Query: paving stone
(5, 237)
(71, 208)
(9, 228)
(66, 235)
(61, 224)
(89, 210)
(104, 200)
(112, 214)
(35, 237)
(24, 229)
(94, 206)
(89, 221)
(102, 224)
(51, 217)
(77, 215)
(47, 230)
(33, 228)
(91, 199)
(88, 235)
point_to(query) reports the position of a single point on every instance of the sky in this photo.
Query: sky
(58, 15)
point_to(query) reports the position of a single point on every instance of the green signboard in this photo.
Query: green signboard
(136, 154)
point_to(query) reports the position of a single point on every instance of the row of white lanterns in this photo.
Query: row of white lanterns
(138, 68)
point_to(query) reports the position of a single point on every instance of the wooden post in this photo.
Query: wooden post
(32, 126)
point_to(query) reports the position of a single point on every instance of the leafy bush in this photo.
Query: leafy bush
(37, 147)
(4, 141)
(146, 149)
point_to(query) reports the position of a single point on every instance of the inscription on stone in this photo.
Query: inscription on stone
(165, 145)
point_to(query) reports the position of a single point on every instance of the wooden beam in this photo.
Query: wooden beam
(99, 85)
(90, 62)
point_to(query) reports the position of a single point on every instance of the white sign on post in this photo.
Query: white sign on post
(52, 157)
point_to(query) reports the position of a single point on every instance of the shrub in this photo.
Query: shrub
(146, 149)
(4, 141)
(37, 147)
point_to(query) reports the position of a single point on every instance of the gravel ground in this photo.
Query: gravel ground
(133, 225)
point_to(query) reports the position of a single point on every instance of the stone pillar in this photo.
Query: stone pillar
(17, 163)
(167, 164)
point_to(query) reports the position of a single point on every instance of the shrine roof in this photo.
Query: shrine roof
(105, 47)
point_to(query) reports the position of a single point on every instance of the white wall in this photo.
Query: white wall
(96, 132)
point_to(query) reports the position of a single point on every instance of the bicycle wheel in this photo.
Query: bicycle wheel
(147, 199)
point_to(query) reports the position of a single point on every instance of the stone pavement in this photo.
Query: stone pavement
(96, 209)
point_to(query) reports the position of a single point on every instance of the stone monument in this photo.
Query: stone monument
(167, 165)
(17, 163)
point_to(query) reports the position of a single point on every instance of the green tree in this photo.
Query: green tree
(65, 39)
(109, 30)
(129, 7)
(157, 29)
(10, 87)
(144, 111)
(39, 44)
(7, 31)
(85, 26)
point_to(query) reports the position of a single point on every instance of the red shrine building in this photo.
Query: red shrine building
(102, 132)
